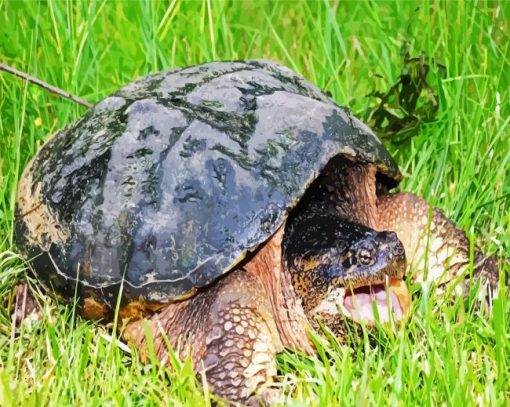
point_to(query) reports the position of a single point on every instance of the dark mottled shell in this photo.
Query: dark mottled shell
(166, 184)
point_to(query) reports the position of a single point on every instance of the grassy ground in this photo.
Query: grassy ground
(460, 162)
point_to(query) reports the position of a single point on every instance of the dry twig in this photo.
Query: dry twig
(45, 85)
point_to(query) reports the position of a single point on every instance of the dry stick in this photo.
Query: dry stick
(45, 85)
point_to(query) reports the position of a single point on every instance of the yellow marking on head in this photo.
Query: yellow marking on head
(311, 264)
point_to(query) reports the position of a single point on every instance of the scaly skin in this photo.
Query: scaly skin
(436, 249)
(229, 331)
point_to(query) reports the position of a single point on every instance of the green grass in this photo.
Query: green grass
(460, 162)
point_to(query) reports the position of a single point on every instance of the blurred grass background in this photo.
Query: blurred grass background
(460, 161)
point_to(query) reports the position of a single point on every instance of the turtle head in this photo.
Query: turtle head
(341, 269)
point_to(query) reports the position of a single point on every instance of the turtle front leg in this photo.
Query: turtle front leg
(436, 249)
(229, 331)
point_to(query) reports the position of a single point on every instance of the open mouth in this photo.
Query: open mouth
(377, 302)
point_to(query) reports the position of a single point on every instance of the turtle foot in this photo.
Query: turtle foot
(25, 306)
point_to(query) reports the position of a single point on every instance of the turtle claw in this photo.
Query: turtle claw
(269, 397)
(24, 307)
(486, 274)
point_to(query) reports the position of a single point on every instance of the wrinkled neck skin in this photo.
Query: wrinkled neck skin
(290, 317)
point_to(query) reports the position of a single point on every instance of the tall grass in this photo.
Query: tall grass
(460, 162)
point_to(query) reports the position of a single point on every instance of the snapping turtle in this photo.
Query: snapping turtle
(228, 207)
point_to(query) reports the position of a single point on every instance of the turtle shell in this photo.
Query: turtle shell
(165, 185)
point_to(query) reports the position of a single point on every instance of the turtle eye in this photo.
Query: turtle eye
(365, 256)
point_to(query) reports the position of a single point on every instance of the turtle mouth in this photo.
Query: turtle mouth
(377, 302)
